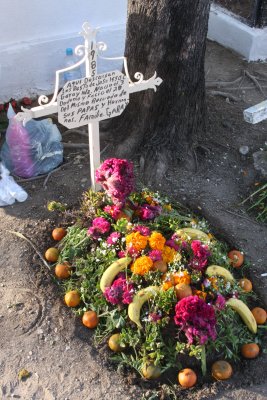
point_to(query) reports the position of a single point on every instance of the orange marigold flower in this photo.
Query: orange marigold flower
(213, 282)
(142, 265)
(136, 240)
(167, 285)
(181, 277)
(200, 294)
(168, 254)
(156, 241)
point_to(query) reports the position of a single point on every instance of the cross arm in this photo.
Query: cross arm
(36, 112)
(151, 83)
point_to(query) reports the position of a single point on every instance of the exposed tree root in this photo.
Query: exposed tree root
(224, 94)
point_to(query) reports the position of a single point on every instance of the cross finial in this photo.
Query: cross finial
(87, 32)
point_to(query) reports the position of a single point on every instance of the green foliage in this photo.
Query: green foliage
(231, 334)
(219, 251)
(74, 243)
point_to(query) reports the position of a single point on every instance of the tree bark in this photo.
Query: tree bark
(169, 37)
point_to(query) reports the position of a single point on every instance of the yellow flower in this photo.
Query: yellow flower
(142, 265)
(136, 240)
(157, 241)
(167, 207)
(168, 254)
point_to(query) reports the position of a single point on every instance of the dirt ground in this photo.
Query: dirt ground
(39, 334)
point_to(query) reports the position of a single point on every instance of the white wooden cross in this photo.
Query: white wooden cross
(91, 99)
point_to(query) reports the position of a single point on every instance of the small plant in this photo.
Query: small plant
(259, 203)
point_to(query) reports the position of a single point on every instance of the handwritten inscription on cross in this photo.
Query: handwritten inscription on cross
(94, 98)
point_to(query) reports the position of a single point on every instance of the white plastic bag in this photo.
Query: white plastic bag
(10, 191)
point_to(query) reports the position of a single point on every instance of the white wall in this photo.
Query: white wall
(226, 29)
(35, 33)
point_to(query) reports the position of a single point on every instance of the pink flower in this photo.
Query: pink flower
(147, 212)
(120, 292)
(196, 318)
(171, 243)
(155, 255)
(113, 238)
(121, 254)
(201, 254)
(116, 177)
(99, 226)
(133, 252)
(220, 302)
(113, 210)
(200, 250)
(144, 230)
(154, 317)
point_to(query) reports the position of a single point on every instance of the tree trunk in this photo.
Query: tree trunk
(169, 37)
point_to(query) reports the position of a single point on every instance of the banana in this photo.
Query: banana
(244, 312)
(139, 299)
(113, 270)
(193, 234)
(220, 271)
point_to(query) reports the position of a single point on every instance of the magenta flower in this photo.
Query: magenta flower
(117, 179)
(200, 250)
(154, 317)
(133, 252)
(196, 319)
(120, 292)
(99, 226)
(147, 212)
(113, 210)
(121, 254)
(113, 238)
(155, 255)
(201, 254)
(220, 302)
(171, 243)
(144, 230)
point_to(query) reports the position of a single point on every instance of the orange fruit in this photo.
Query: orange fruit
(187, 378)
(160, 266)
(72, 298)
(236, 258)
(250, 350)
(183, 290)
(63, 271)
(221, 370)
(90, 319)
(245, 284)
(52, 254)
(114, 343)
(259, 315)
(151, 371)
(59, 233)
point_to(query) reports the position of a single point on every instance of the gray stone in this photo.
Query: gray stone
(260, 161)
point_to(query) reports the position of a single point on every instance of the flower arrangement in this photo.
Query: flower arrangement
(154, 275)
